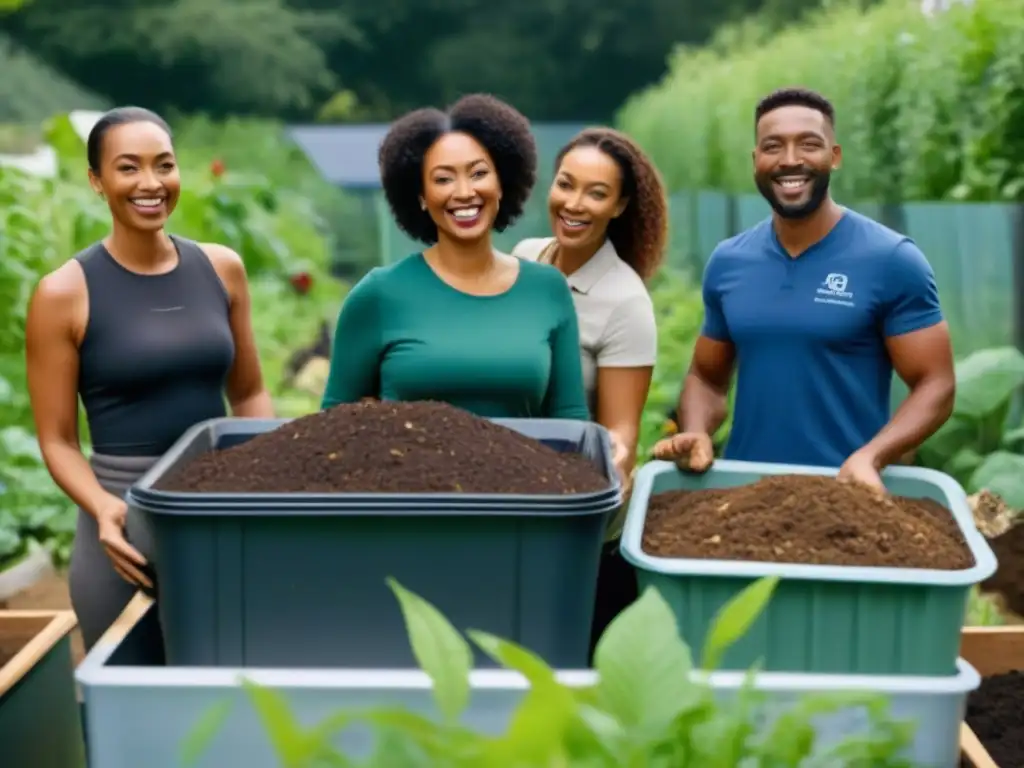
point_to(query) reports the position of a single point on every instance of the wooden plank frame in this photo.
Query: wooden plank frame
(991, 651)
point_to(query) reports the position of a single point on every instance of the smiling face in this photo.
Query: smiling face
(794, 159)
(584, 197)
(138, 175)
(461, 188)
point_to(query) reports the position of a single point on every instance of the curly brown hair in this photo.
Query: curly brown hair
(497, 126)
(640, 233)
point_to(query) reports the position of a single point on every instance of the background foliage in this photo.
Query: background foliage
(555, 59)
(927, 107)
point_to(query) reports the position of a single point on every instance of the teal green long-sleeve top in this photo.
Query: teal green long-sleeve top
(405, 334)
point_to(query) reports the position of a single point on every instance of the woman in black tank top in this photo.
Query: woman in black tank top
(152, 331)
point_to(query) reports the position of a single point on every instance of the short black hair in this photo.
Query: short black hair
(795, 97)
(113, 118)
(500, 129)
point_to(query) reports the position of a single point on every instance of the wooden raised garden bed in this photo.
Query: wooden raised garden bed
(995, 652)
(40, 721)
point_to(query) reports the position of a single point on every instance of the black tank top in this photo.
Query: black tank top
(156, 352)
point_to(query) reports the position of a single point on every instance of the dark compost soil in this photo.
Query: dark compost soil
(389, 447)
(1008, 580)
(995, 712)
(801, 519)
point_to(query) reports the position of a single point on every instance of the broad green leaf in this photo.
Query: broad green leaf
(962, 466)
(1013, 439)
(439, 649)
(882, 739)
(62, 136)
(205, 731)
(939, 449)
(724, 739)
(435, 740)
(596, 733)
(986, 379)
(734, 619)
(394, 749)
(538, 726)
(644, 665)
(513, 656)
(290, 743)
(322, 735)
(1002, 473)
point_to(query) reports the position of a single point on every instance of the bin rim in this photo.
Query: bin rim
(955, 500)
(96, 672)
(286, 507)
(143, 490)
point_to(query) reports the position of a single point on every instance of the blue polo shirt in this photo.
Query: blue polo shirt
(813, 375)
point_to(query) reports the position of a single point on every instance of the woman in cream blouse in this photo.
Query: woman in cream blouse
(609, 215)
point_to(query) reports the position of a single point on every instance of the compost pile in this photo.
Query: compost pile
(1008, 580)
(994, 714)
(805, 519)
(389, 447)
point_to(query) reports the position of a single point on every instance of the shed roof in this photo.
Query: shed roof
(346, 155)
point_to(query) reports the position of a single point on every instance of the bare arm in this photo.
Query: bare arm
(621, 395)
(56, 321)
(924, 360)
(703, 401)
(245, 388)
(917, 341)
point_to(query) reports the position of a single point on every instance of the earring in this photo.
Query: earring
(423, 204)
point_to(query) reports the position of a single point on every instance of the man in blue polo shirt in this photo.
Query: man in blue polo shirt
(814, 308)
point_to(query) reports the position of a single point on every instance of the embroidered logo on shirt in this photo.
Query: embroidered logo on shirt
(833, 290)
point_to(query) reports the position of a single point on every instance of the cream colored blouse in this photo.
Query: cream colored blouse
(616, 315)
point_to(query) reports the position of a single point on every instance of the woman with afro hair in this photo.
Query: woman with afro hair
(460, 322)
(609, 215)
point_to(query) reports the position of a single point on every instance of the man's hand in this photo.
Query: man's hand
(691, 451)
(861, 468)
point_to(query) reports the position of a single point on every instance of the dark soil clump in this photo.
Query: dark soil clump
(995, 712)
(805, 519)
(389, 447)
(1008, 580)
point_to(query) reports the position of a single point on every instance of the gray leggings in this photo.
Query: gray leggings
(98, 594)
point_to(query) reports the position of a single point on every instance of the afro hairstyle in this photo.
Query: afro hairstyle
(497, 126)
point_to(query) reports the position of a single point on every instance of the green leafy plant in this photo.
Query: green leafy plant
(649, 707)
(983, 610)
(980, 445)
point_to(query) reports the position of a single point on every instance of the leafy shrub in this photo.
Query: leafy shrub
(980, 445)
(346, 219)
(927, 107)
(679, 310)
